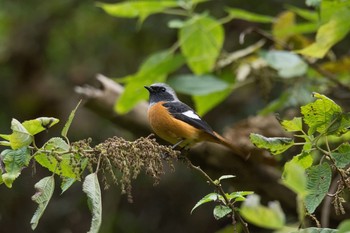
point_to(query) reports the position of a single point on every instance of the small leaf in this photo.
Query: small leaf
(175, 23)
(208, 198)
(39, 124)
(304, 159)
(66, 183)
(201, 39)
(294, 178)
(45, 188)
(226, 177)
(236, 13)
(92, 189)
(318, 182)
(286, 63)
(197, 84)
(342, 155)
(221, 211)
(294, 125)
(20, 137)
(322, 115)
(271, 217)
(14, 161)
(238, 196)
(276, 145)
(69, 121)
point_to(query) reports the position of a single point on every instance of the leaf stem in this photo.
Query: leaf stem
(218, 186)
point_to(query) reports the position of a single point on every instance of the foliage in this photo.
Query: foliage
(309, 174)
(69, 161)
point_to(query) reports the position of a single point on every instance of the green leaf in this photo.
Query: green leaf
(197, 84)
(294, 178)
(294, 125)
(271, 217)
(286, 63)
(309, 15)
(208, 198)
(39, 124)
(224, 177)
(221, 211)
(238, 196)
(46, 157)
(276, 145)
(344, 227)
(69, 121)
(133, 9)
(204, 103)
(329, 34)
(66, 183)
(45, 188)
(154, 69)
(201, 39)
(323, 115)
(304, 159)
(342, 155)
(20, 137)
(236, 13)
(318, 181)
(92, 189)
(316, 230)
(14, 161)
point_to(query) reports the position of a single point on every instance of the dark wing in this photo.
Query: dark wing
(185, 113)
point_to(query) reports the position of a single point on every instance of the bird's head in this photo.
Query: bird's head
(161, 92)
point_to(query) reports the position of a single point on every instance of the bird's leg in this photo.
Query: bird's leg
(166, 155)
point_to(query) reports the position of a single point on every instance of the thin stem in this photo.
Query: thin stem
(218, 186)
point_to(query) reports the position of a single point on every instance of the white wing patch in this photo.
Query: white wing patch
(191, 114)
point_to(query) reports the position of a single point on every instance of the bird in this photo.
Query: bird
(177, 123)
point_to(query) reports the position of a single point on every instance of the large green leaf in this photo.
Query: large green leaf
(154, 69)
(318, 180)
(276, 145)
(44, 190)
(236, 13)
(92, 189)
(323, 115)
(39, 124)
(329, 33)
(14, 161)
(294, 177)
(201, 40)
(197, 84)
(204, 103)
(47, 157)
(271, 217)
(286, 63)
(133, 9)
(208, 198)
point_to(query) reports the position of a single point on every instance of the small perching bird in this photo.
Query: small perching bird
(178, 123)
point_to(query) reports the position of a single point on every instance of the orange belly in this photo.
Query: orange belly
(171, 129)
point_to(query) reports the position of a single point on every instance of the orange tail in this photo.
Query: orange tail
(223, 141)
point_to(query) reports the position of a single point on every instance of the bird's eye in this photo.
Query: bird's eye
(163, 89)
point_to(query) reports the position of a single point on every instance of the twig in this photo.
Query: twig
(218, 186)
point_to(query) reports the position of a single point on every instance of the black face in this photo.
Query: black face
(159, 93)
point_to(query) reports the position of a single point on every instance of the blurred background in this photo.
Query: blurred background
(49, 47)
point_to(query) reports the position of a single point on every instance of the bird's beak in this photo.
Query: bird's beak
(148, 88)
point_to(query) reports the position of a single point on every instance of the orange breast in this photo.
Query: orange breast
(169, 128)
